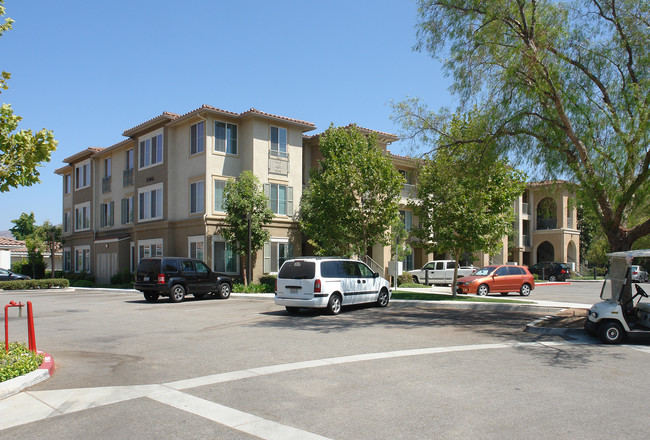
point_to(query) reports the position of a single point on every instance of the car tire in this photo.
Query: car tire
(415, 280)
(611, 332)
(383, 298)
(552, 278)
(177, 293)
(334, 305)
(525, 290)
(151, 297)
(292, 310)
(223, 291)
(483, 290)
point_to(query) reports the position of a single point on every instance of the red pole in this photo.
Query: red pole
(30, 327)
(6, 329)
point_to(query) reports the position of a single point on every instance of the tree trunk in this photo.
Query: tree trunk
(453, 284)
(619, 239)
(243, 259)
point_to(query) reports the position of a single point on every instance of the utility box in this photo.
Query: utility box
(391, 268)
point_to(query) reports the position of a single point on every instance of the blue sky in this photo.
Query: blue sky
(89, 70)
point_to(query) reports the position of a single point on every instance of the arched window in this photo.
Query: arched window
(547, 214)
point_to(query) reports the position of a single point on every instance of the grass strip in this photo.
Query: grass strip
(462, 298)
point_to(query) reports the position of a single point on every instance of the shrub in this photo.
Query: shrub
(18, 361)
(24, 267)
(82, 283)
(253, 288)
(34, 284)
(122, 277)
(405, 278)
(268, 279)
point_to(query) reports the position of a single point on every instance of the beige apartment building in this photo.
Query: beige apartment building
(160, 192)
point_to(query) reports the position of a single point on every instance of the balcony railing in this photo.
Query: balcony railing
(527, 241)
(525, 208)
(546, 223)
(409, 191)
(127, 178)
(106, 184)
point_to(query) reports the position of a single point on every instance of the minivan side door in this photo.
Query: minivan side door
(350, 282)
(369, 283)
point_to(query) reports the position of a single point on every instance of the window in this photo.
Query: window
(197, 138)
(195, 247)
(150, 248)
(82, 217)
(106, 216)
(151, 151)
(67, 221)
(107, 167)
(82, 175)
(127, 210)
(225, 137)
(67, 260)
(276, 253)
(278, 142)
(225, 258)
(197, 197)
(407, 219)
(129, 159)
(408, 261)
(150, 203)
(66, 183)
(280, 198)
(82, 259)
(219, 187)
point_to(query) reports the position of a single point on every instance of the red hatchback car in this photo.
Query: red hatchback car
(498, 279)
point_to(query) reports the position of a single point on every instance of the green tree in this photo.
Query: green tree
(244, 197)
(24, 226)
(20, 151)
(353, 197)
(562, 86)
(465, 202)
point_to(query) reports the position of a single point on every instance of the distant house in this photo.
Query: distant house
(13, 251)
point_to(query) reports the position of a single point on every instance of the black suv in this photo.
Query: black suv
(176, 276)
(551, 271)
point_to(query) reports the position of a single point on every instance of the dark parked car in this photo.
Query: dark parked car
(551, 271)
(7, 275)
(177, 276)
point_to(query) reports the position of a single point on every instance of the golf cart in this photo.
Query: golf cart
(617, 316)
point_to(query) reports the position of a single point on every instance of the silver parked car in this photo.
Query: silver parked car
(638, 274)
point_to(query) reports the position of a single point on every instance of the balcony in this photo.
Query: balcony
(279, 163)
(546, 223)
(106, 185)
(127, 178)
(409, 191)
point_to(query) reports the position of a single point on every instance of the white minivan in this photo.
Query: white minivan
(328, 283)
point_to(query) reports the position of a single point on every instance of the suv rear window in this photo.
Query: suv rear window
(298, 270)
(149, 266)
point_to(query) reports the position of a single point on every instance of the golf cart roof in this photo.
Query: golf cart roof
(617, 281)
(639, 253)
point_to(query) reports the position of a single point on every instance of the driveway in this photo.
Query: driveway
(244, 368)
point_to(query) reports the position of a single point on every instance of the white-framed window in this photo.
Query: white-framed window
(280, 198)
(82, 259)
(126, 210)
(195, 246)
(225, 137)
(82, 175)
(106, 214)
(276, 252)
(197, 138)
(108, 169)
(129, 159)
(151, 151)
(67, 259)
(150, 248)
(150, 202)
(407, 219)
(197, 197)
(219, 187)
(67, 185)
(278, 142)
(225, 259)
(408, 261)
(82, 216)
(67, 221)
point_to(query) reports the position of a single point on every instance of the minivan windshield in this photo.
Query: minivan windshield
(297, 270)
(485, 271)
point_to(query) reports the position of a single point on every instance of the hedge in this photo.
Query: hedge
(34, 284)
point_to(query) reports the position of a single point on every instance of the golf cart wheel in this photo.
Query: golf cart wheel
(482, 290)
(611, 332)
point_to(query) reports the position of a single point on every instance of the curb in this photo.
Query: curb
(533, 327)
(17, 384)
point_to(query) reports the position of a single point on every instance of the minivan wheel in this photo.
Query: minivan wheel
(334, 305)
(223, 291)
(483, 290)
(525, 290)
(177, 294)
(611, 332)
(151, 297)
(382, 299)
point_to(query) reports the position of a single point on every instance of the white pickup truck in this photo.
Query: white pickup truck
(439, 272)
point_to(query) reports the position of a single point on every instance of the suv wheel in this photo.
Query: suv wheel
(552, 278)
(151, 297)
(223, 291)
(177, 294)
(334, 304)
